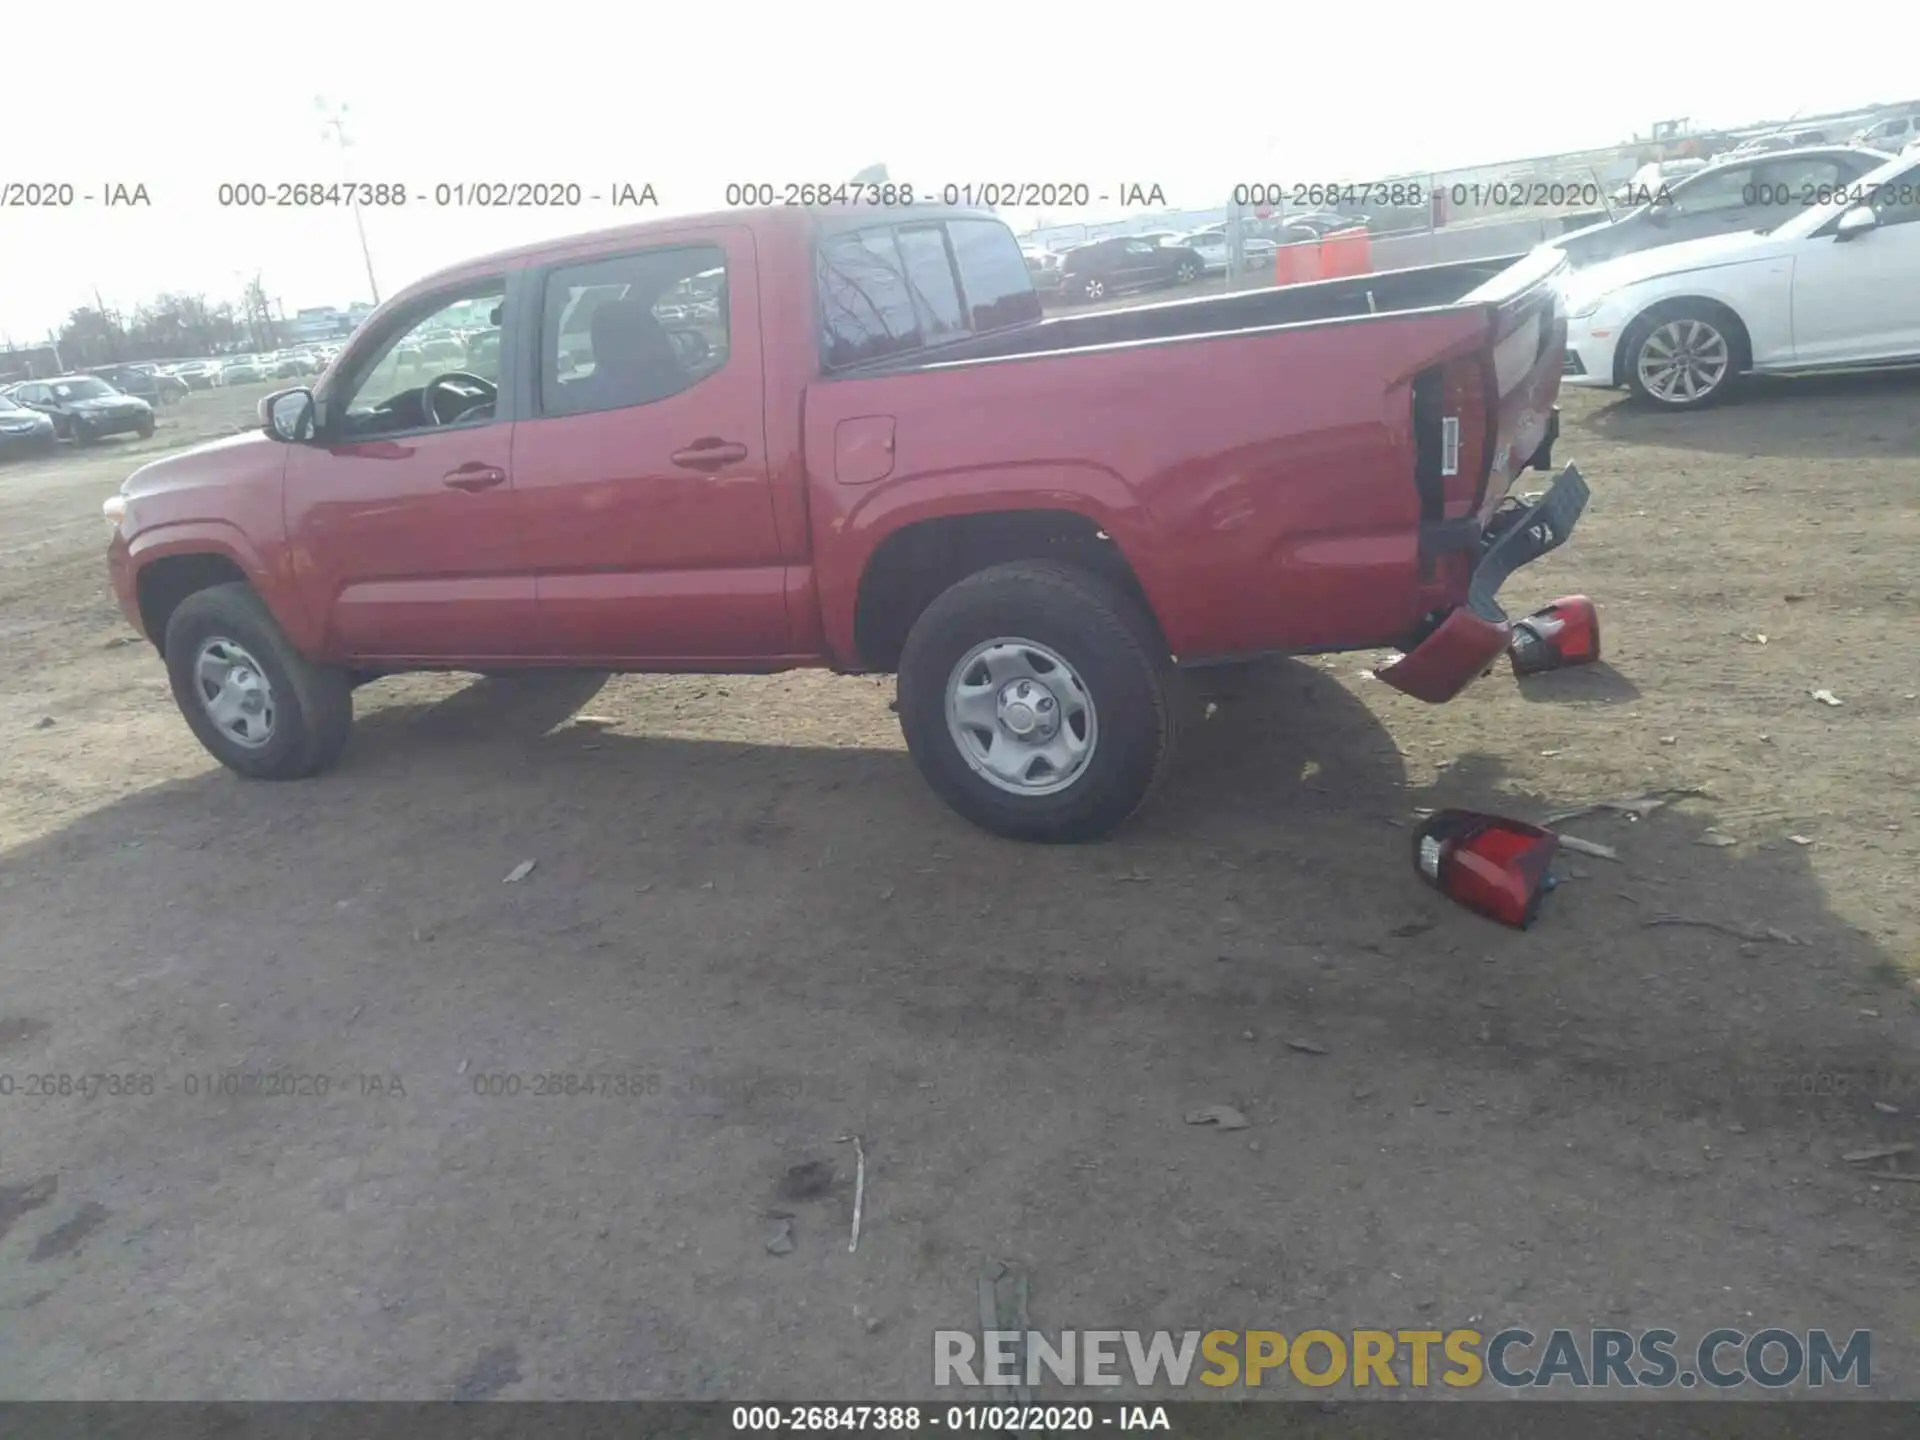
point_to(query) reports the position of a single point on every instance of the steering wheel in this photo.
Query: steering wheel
(472, 392)
(691, 346)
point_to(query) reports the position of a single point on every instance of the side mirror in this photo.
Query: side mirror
(1660, 212)
(1855, 223)
(288, 415)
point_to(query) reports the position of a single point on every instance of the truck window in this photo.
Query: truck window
(993, 274)
(385, 397)
(885, 291)
(632, 329)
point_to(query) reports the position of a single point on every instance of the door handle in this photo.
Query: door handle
(709, 455)
(473, 477)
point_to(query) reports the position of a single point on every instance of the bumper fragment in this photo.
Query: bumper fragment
(1476, 634)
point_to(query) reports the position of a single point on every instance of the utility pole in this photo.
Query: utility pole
(106, 325)
(333, 127)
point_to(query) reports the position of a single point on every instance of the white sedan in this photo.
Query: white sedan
(1216, 250)
(1835, 287)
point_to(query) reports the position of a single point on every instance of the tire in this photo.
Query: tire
(1185, 273)
(1710, 346)
(1125, 691)
(311, 705)
(1093, 288)
(146, 428)
(78, 433)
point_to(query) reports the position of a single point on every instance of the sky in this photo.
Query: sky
(1194, 99)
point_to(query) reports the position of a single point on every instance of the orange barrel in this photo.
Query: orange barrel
(1297, 263)
(1346, 252)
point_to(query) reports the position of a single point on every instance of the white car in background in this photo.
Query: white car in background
(1895, 132)
(1215, 251)
(1835, 287)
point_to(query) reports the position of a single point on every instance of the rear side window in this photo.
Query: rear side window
(1728, 189)
(1787, 182)
(886, 291)
(929, 272)
(993, 274)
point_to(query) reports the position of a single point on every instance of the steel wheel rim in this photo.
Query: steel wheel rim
(1021, 717)
(1683, 360)
(1185, 273)
(1095, 289)
(234, 692)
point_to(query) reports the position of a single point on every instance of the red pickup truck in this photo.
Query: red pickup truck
(760, 440)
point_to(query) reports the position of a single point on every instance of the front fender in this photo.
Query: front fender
(265, 570)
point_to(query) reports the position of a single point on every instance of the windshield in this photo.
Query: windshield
(82, 390)
(6, 403)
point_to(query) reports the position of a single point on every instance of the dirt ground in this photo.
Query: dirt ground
(748, 906)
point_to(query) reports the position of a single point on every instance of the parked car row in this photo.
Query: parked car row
(1120, 264)
(80, 408)
(23, 431)
(1828, 279)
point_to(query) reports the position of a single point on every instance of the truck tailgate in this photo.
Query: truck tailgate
(1523, 368)
(1518, 379)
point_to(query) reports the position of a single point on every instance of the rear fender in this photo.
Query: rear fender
(1090, 491)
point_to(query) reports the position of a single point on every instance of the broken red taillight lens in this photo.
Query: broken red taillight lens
(1567, 632)
(1487, 863)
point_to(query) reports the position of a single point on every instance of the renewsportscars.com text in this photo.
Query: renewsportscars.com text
(1514, 1358)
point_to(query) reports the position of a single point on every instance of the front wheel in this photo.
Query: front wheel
(259, 706)
(1037, 703)
(1683, 359)
(1093, 289)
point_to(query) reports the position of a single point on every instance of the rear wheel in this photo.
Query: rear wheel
(1037, 703)
(259, 706)
(1186, 272)
(1684, 358)
(1093, 288)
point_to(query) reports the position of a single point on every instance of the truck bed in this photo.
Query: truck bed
(1282, 470)
(1360, 297)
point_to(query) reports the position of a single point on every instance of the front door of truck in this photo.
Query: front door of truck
(402, 516)
(643, 461)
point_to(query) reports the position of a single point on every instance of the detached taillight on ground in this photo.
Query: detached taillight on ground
(1487, 863)
(1567, 632)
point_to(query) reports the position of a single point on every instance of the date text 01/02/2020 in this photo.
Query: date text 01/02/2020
(979, 1417)
(445, 194)
(991, 194)
(1414, 194)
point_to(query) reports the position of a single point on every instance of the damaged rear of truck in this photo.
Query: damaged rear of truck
(1291, 471)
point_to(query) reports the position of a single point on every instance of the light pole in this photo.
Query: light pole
(333, 127)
